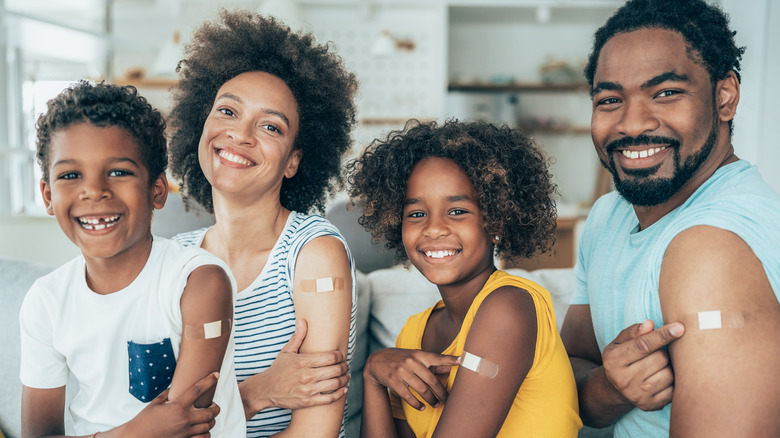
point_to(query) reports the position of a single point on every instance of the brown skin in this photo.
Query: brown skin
(98, 172)
(246, 151)
(633, 370)
(441, 213)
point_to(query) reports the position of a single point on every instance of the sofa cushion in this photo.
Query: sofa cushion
(16, 277)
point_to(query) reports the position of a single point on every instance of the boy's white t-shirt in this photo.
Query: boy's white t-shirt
(66, 327)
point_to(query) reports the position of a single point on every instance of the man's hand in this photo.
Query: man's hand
(401, 370)
(297, 380)
(638, 368)
(176, 418)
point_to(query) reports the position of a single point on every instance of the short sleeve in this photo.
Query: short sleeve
(42, 366)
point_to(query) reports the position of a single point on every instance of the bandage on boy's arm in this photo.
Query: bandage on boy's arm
(207, 309)
(327, 314)
(504, 334)
(726, 382)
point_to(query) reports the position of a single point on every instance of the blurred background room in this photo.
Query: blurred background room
(509, 61)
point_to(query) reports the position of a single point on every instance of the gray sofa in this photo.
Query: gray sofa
(16, 277)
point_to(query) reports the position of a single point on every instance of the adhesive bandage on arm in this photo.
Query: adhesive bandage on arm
(713, 320)
(209, 330)
(325, 284)
(478, 365)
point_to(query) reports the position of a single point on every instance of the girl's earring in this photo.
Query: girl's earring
(497, 238)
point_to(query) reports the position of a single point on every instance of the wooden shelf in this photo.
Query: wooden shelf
(148, 82)
(516, 87)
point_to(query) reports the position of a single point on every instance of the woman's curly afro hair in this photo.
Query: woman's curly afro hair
(705, 29)
(508, 171)
(105, 105)
(243, 42)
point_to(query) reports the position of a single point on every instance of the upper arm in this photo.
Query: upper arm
(43, 411)
(504, 332)
(707, 268)
(578, 335)
(207, 298)
(328, 317)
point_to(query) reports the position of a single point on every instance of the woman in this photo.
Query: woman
(261, 120)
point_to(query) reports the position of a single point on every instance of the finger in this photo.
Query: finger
(441, 369)
(162, 398)
(632, 331)
(324, 398)
(294, 344)
(410, 399)
(323, 359)
(659, 382)
(428, 387)
(334, 384)
(650, 342)
(201, 386)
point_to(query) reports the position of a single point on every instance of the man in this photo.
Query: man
(692, 228)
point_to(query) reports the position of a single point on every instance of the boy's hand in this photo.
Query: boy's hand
(400, 369)
(638, 367)
(297, 380)
(177, 418)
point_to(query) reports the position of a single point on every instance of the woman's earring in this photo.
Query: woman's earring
(497, 238)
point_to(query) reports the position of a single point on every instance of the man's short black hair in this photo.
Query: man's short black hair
(704, 27)
(105, 105)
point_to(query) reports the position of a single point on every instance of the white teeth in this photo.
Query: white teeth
(98, 223)
(643, 153)
(234, 158)
(439, 254)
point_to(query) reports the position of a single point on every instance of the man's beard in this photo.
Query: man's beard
(641, 189)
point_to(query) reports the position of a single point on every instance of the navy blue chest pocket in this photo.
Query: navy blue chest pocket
(151, 368)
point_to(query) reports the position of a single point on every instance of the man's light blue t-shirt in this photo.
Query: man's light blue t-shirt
(618, 266)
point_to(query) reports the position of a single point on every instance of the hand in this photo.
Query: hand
(400, 369)
(637, 366)
(175, 418)
(297, 380)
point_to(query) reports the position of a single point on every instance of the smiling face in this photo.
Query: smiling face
(100, 193)
(442, 227)
(655, 119)
(247, 143)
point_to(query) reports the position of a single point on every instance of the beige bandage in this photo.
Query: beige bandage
(478, 365)
(714, 319)
(325, 284)
(209, 330)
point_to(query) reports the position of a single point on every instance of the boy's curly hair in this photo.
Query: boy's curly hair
(243, 42)
(105, 105)
(508, 171)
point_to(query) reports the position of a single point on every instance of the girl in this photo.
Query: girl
(448, 199)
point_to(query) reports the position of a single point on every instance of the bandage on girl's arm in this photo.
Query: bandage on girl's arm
(498, 353)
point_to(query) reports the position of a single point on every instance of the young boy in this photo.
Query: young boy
(134, 314)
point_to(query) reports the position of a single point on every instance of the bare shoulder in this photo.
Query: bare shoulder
(707, 269)
(709, 266)
(324, 249)
(509, 307)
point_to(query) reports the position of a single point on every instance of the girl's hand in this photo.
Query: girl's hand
(176, 418)
(297, 380)
(400, 369)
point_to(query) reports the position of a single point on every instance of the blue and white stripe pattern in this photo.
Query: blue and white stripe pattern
(265, 316)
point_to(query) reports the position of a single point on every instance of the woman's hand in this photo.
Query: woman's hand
(400, 369)
(297, 380)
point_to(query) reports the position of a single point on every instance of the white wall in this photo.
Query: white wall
(758, 28)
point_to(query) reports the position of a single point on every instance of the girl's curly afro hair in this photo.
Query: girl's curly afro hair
(243, 42)
(105, 105)
(508, 171)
